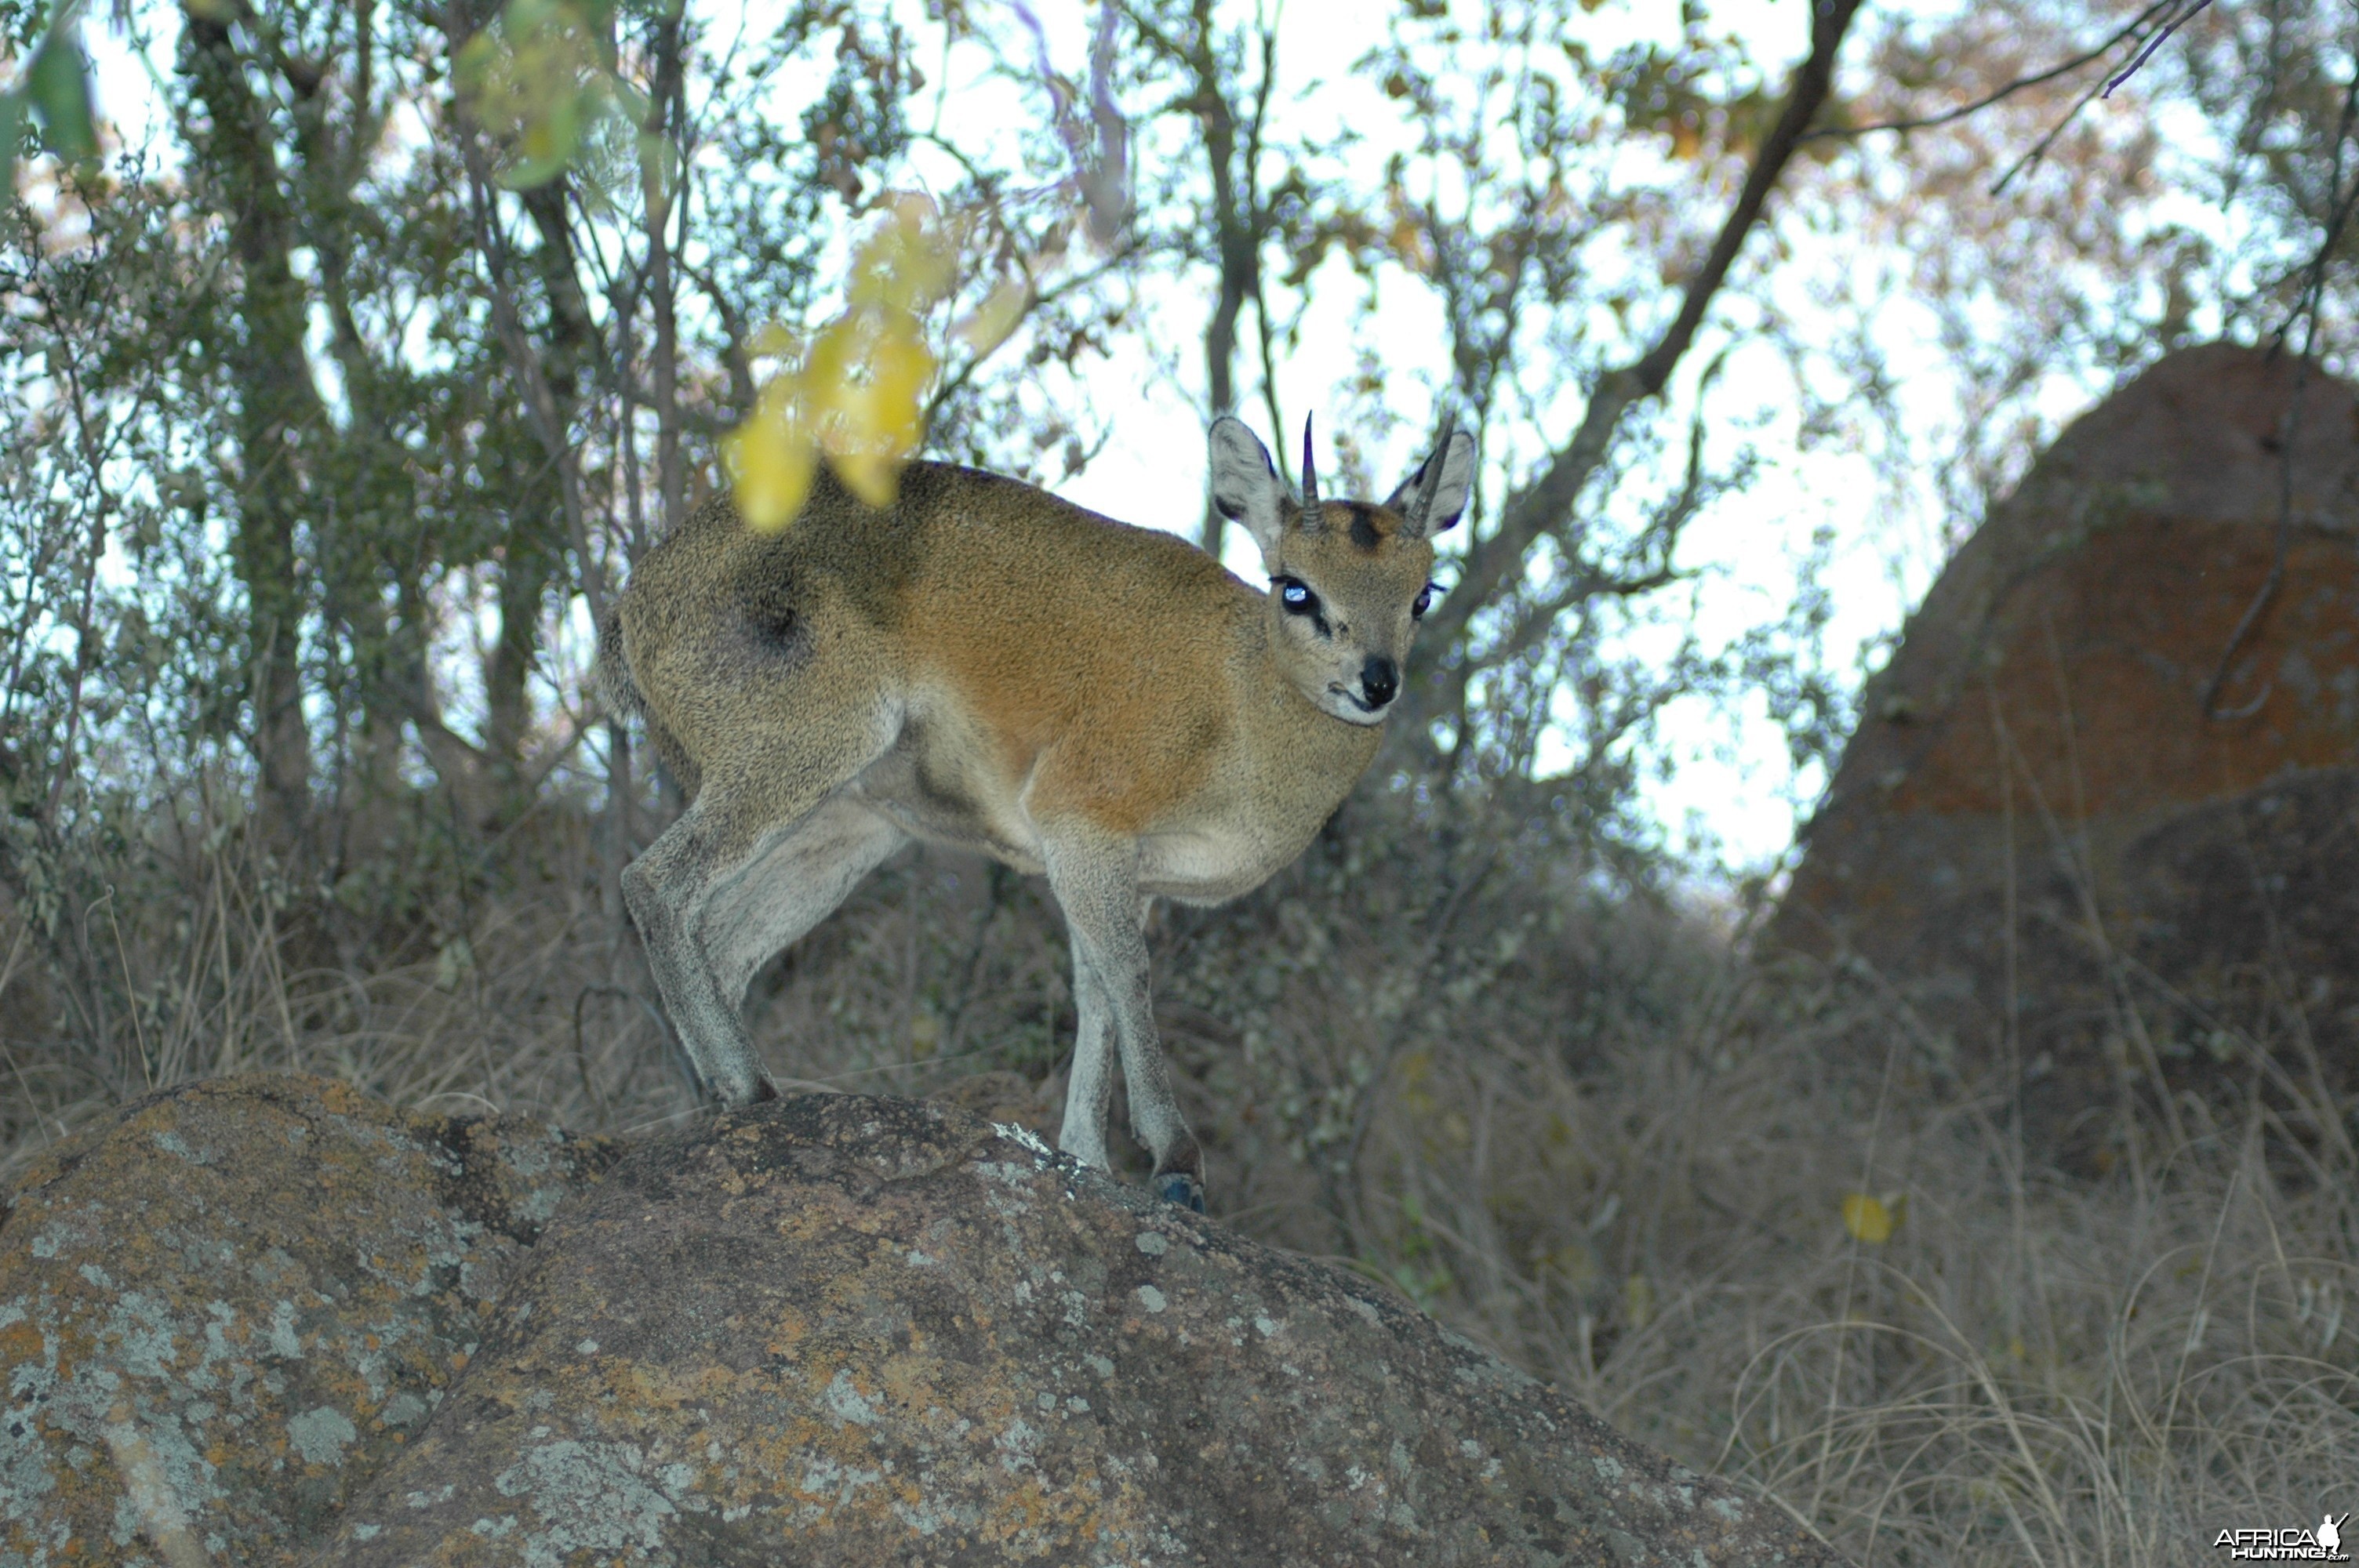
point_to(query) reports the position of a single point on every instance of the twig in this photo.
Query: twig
(2304, 308)
(2157, 42)
(1951, 116)
(2039, 151)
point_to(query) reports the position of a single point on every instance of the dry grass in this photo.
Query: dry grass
(1573, 1126)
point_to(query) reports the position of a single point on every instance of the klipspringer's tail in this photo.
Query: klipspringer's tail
(618, 693)
(610, 674)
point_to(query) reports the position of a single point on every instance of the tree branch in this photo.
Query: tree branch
(1546, 502)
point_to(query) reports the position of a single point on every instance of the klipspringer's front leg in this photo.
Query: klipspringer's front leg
(1090, 1084)
(1097, 885)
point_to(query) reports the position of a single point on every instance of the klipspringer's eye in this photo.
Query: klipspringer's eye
(1424, 603)
(1296, 597)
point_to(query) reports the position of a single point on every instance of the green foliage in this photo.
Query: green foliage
(48, 106)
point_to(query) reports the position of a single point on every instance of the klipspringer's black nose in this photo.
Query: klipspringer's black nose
(1380, 678)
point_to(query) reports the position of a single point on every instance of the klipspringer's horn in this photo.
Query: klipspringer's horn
(1310, 470)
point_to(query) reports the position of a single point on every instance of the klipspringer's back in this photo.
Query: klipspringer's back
(1037, 614)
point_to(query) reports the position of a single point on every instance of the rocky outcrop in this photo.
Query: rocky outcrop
(222, 1311)
(830, 1330)
(2039, 825)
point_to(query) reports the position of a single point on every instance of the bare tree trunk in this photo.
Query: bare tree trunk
(666, 122)
(278, 408)
(365, 517)
(1238, 228)
(534, 559)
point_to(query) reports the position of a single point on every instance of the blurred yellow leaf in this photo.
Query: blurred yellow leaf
(1873, 1220)
(775, 343)
(1639, 1301)
(771, 458)
(908, 263)
(859, 394)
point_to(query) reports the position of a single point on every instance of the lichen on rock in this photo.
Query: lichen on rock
(851, 1331)
(225, 1308)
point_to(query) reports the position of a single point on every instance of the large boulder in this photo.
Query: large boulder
(222, 1310)
(2087, 799)
(830, 1330)
(856, 1331)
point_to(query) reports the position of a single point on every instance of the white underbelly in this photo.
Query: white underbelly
(1205, 867)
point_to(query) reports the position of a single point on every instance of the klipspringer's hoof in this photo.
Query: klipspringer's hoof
(1179, 1187)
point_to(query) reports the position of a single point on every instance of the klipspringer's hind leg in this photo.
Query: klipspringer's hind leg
(1097, 885)
(703, 861)
(795, 880)
(667, 888)
(1091, 1085)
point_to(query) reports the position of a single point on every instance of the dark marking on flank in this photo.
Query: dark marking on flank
(766, 602)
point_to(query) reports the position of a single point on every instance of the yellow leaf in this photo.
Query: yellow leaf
(859, 394)
(875, 480)
(774, 343)
(908, 262)
(1639, 1301)
(770, 459)
(1872, 1220)
(865, 380)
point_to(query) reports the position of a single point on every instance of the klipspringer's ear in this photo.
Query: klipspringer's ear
(1449, 490)
(1246, 486)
